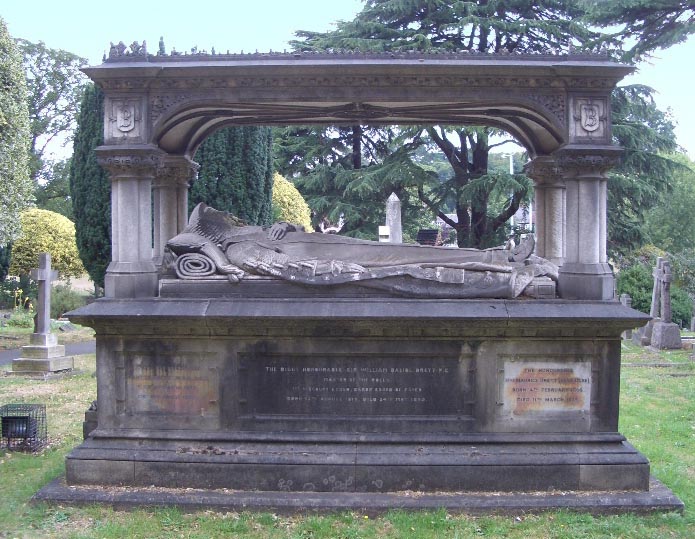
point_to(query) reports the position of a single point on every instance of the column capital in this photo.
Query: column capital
(544, 170)
(129, 161)
(587, 161)
(175, 171)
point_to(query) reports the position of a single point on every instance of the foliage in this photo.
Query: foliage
(65, 299)
(636, 279)
(289, 205)
(55, 85)
(15, 184)
(45, 231)
(54, 194)
(482, 201)
(90, 189)
(236, 173)
(642, 25)
(5, 257)
(669, 224)
(646, 172)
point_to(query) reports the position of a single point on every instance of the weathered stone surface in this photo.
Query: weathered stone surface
(657, 499)
(357, 394)
(666, 336)
(24, 365)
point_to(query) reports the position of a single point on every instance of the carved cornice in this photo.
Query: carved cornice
(129, 162)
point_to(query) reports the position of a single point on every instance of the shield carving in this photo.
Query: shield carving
(125, 117)
(589, 117)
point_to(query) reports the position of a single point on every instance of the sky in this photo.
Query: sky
(86, 28)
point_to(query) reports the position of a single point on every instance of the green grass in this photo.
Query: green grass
(657, 416)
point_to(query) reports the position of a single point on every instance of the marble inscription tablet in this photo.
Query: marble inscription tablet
(539, 387)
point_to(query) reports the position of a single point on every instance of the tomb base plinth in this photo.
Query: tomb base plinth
(358, 395)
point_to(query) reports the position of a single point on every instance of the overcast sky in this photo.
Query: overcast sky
(86, 28)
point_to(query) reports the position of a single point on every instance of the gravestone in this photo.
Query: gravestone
(626, 300)
(665, 334)
(43, 354)
(393, 219)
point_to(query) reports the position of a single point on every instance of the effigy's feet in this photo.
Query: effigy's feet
(522, 251)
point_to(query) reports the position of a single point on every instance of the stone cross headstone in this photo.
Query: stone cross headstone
(43, 354)
(44, 276)
(665, 334)
(393, 219)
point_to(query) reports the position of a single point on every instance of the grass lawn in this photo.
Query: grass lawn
(657, 416)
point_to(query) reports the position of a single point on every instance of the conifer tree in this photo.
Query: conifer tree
(16, 188)
(236, 173)
(480, 197)
(90, 189)
(483, 201)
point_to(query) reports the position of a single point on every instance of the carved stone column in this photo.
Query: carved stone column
(550, 207)
(170, 194)
(586, 273)
(131, 169)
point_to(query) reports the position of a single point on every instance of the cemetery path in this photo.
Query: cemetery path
(74, 349)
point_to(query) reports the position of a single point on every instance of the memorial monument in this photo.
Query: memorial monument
(266, 362)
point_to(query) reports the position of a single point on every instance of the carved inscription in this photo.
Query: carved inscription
(342, 386)
(531, 387)
(171, 386)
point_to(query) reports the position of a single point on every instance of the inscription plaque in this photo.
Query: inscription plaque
(354, 386)
(172, 385)
(532, 387)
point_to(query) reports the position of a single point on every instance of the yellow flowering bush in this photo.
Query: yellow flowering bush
(45, 231)
(289, 205)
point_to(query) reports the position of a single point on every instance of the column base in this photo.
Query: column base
(131, 280)
(586, 281)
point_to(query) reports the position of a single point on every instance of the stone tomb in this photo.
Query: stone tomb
(358, 395)
(271, 387)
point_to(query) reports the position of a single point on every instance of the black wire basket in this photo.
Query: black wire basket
(23, 427)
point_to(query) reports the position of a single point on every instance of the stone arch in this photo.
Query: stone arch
(159, 108)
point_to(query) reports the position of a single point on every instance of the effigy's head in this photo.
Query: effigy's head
(213, 224)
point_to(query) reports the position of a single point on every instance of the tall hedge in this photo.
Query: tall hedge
(90, 189)
(236, 173)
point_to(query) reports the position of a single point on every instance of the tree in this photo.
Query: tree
(236, 173)
(45, 231)
(643, 25)
(55, 84)
(54, 194)
(15, 184)
(646, 170)
(670, 224)
(289, 205)
(511, 26)
(484, 201)
(90, 189)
